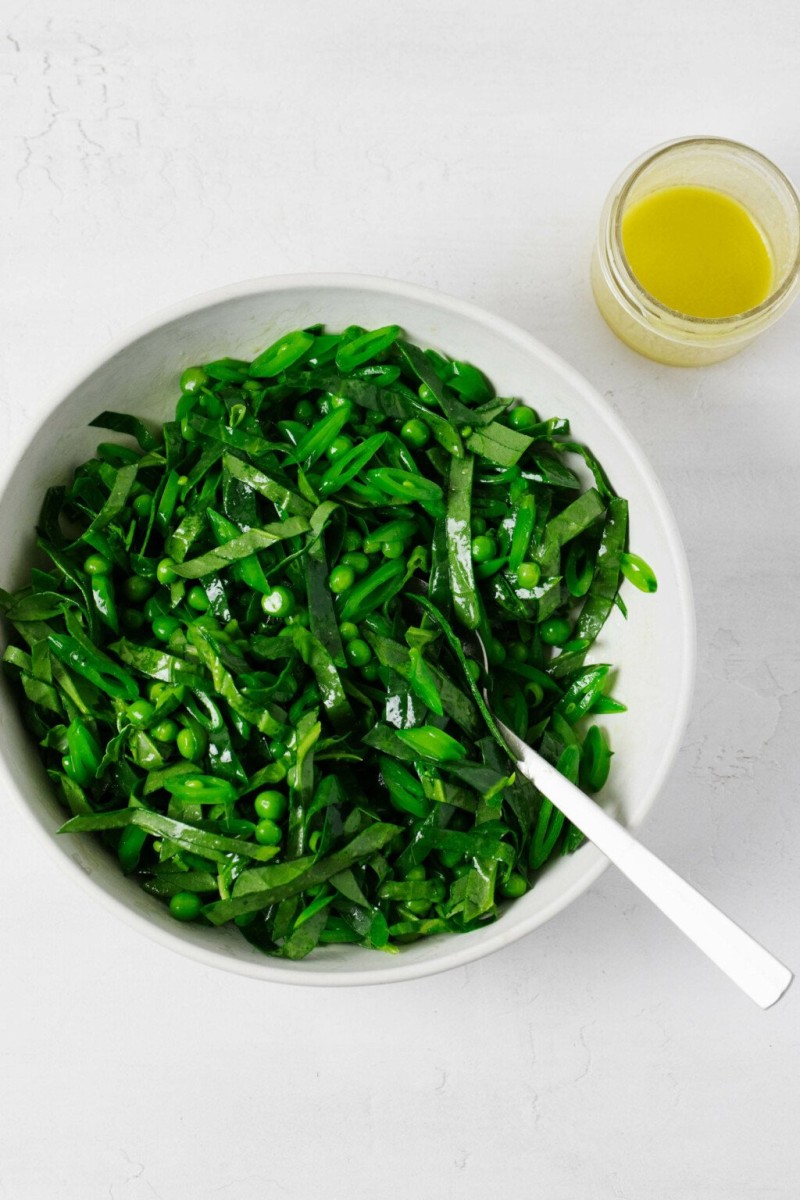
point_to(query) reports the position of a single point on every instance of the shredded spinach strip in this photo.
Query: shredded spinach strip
(243, 660)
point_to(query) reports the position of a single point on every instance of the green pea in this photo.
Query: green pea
(348, 631)
(473, 669)
(357, 653)
(270, 805)
(299, 618)
(483, 548)
(185, 906)
(156, 606)
(268, 833)
(140, 713)
(341, 578)
(478, 525)
(191, 744)
(304, 412)
(528, 574)
(142, 505)
(450, 858)
(132, 619)
(339, 446)
(358, 561)
(137, 588)
(165, 731)
(514, 886)
(495, 652)
(555, 631)
(415, 433)
(193, 378)
(518, 652)
(197, 599)
(97, 564)
(129, 847)
(522, 418)
(370, 672)
(163, 627)
(278, 603)
(165, 571)
(351, 540)
(392, 550)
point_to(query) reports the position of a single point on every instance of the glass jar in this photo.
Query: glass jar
(662, 333)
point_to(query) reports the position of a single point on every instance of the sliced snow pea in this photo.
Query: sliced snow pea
(550, 820)
(361, 349)
(522, 531)
(470, 383)
(84, 752)
(320, 437)
(408, 487)
(281, 355)
(429, 742)
(92, 665)
(350, 464)
(595, 760)
(638, 572)
(372, 592)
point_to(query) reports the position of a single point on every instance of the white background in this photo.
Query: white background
(153, 150)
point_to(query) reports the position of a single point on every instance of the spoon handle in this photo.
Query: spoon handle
(748, 964)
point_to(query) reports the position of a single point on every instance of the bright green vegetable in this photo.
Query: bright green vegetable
(280, 726)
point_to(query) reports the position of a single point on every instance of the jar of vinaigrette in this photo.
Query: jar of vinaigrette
(698, 251)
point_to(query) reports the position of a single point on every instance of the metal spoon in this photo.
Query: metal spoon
(754, 969)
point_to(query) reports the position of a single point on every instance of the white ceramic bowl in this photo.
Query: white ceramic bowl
(654, 649)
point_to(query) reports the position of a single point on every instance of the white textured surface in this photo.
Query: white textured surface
(154, 150)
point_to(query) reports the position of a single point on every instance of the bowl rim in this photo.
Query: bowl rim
(462, 949)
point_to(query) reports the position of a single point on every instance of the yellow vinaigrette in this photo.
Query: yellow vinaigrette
(697, 251)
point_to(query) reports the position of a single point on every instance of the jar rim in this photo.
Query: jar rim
(637, 293)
